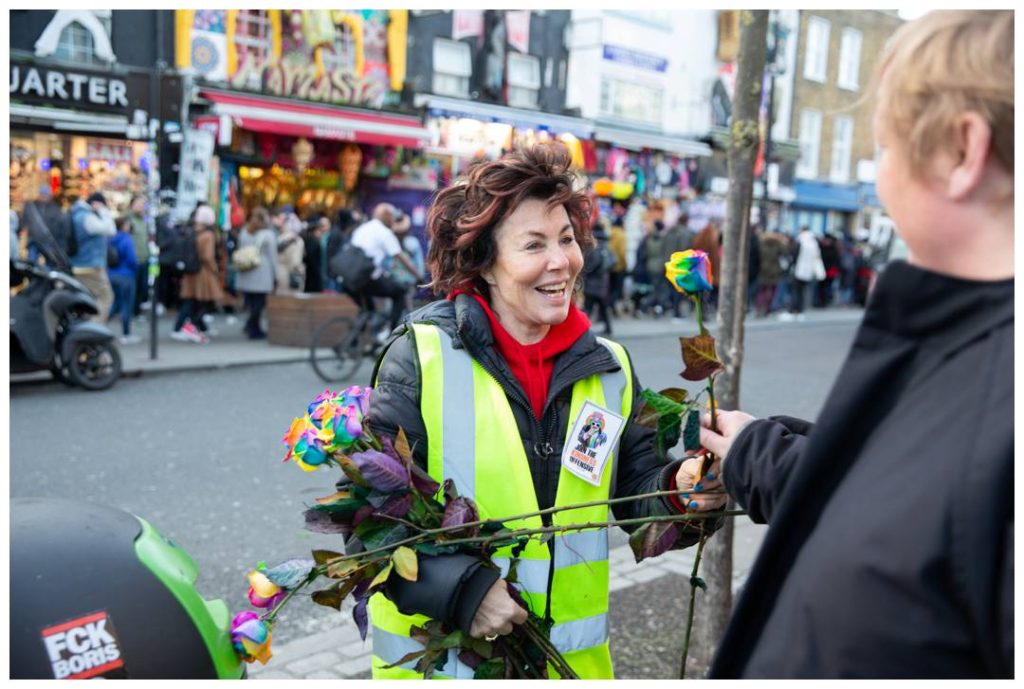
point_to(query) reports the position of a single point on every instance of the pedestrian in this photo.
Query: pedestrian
(377, 238)
(890, 547)
(257, 280)
(642, 286)
(753, 264)
(597, 278)
(93, 225)
(773, 263)
(413, 250)
(677, 238)
(140, 240)
(200, 290)
(617, 278)
(808, 270)
(312, 259)
(56, 220)
(498, 364)
(656, 258)
(830, 260)
(289, 267)
(336, 239)
(848, 259)
(122, 280)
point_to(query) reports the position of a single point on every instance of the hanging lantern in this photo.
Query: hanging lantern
(349, 160)
(302, 153)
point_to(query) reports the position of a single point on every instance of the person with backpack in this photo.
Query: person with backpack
(201, 288)
(378, 242)
(93, 225)
(121, 266)
(56, 220)
(254, 259)
(140, 240)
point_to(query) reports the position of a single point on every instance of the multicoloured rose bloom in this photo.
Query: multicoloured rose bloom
(689, 271)
(333, 423)
(251, 637)
(263, 593)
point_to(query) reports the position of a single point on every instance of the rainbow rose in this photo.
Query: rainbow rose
(689, 271)
(263, 593)
(251, 637)
(305, 444)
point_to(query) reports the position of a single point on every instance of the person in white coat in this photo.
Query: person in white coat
(290, 253)
(808, 270)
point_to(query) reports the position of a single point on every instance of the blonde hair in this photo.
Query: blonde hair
(939, 66)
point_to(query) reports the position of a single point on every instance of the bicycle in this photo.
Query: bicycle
(340, 345)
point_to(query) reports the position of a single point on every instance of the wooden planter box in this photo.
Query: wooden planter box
(292, 319)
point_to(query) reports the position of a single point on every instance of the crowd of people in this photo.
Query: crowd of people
(204, 270)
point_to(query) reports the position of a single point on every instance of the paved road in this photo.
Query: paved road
(197, 454)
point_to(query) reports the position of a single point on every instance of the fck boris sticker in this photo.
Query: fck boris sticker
(591, 441)
(84, 647)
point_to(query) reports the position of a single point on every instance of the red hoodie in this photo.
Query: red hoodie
(532, 364)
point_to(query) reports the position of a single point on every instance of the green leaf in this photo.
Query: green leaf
(691, 434)
(405, 562)
(699, 583)
(330, 598)
(375, 534)
(432, 549)
(382, 576)
(659, 404)
(490, 669)
(290, 574)
(340, 570)
(342, 501)
(667, 436)
(321, 557)
(700, 357)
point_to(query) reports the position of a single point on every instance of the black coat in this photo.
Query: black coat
(312, 258)
(890, 552)
(451, 587)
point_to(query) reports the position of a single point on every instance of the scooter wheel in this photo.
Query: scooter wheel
(94, 366)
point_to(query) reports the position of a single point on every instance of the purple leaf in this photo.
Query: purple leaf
(360, 617)
(396, 507)
(382, 472)
(450, 492)
(422, 482)
(361, 514)
(323, 522)
(653, 539)
(460, 511)
(387, 446)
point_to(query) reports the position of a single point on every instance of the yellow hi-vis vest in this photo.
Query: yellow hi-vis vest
(472, 438)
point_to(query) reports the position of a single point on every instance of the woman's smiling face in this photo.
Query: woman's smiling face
(536, 264)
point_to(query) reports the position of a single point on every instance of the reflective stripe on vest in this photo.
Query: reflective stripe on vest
(490, 465)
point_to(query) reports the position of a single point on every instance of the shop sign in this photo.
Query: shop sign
(194, 172)
(517, 23)
(105, 150)
(294, 79)
(467, 24)
(614, 53)
(78, 88)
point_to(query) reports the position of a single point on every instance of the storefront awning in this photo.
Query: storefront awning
(636, 139)
(441, 106)
(68, 120)
(314, 121)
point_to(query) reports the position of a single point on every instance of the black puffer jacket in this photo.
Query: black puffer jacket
(451, 587)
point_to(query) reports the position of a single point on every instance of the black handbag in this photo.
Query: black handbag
(352, 266)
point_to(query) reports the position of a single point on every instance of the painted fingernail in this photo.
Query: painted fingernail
(710, 475)
(694, 505)
(699, 487)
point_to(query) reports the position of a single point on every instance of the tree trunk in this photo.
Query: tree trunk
(714, 606)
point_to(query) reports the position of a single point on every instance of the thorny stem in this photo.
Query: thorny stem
(552, 653)
(705, 467)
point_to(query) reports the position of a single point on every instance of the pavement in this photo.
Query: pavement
(339, 653)
(229, 347)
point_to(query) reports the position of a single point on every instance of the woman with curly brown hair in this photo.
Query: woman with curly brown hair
(502, 388)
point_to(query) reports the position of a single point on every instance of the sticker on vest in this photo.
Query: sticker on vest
(591, 441)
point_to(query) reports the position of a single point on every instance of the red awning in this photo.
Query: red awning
(314, 121)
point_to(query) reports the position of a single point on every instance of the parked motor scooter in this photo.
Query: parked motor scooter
(49, 326)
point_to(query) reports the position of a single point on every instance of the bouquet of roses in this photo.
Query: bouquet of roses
(399, 513)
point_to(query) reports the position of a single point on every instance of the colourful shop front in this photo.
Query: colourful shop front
(303, 106)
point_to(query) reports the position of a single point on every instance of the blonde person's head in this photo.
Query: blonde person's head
(940, 66)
